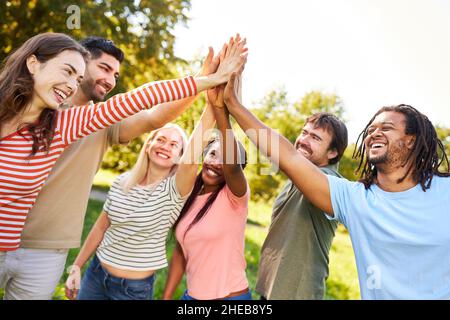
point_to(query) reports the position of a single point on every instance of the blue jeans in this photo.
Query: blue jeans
(244, 296)
(98, 284)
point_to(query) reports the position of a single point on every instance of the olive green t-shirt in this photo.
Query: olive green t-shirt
(294, 256)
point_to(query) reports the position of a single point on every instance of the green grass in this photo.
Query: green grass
(342, 283)
(93, 211)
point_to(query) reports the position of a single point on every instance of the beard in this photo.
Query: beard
(378, 159)
(395, 155)
(299, 146)
(316, 158)
(88, 88)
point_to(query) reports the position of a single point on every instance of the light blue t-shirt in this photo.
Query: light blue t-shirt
(401, 239)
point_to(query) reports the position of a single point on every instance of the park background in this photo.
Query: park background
(347, 57)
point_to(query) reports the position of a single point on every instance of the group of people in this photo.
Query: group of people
(55, 128)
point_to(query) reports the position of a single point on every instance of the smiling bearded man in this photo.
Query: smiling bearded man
(294, 256)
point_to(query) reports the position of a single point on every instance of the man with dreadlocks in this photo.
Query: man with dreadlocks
(397, 214)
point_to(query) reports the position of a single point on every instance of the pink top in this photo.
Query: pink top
(214, 246)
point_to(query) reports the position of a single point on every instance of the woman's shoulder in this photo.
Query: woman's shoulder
(119, 180)
(235, 200)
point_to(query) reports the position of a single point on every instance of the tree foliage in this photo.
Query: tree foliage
(141, 28)
(444, 135)
(348, 165)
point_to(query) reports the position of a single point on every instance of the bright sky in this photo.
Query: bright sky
(370, 52)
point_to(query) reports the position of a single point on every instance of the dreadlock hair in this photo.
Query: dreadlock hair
(242, 160)
(425, 159)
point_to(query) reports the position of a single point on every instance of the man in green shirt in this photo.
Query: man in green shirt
(294, 256)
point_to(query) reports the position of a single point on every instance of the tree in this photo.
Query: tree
(141, 28)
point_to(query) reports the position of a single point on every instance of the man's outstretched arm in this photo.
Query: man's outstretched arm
(305, 175)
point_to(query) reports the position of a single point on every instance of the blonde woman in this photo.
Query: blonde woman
(129, 237)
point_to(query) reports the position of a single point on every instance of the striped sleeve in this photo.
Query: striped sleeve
(76, 123)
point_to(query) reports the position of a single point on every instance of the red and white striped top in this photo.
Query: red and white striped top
(22, 176)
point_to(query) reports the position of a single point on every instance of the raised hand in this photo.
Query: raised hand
(233, 88)
(210, 63)
(215, 96)
(233, 57)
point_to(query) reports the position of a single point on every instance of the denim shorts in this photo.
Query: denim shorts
(98, 284)
(244, 296)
